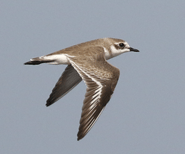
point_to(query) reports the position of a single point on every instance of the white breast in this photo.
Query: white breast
(107, 54)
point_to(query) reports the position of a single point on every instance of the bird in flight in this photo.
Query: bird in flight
(88, 62)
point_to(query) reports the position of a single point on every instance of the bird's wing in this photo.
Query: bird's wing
(100, 78)
(68, 80)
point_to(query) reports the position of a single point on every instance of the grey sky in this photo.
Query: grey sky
(146, 114)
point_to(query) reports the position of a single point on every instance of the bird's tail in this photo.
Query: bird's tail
(37, 61)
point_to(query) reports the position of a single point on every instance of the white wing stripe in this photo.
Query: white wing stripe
(99, 90)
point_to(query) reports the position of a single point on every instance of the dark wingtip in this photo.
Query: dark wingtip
(49, 102)
(79, 138)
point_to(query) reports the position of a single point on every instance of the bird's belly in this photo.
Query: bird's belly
(58, 59)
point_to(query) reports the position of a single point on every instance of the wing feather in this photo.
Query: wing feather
(68, 80)
(100, 78)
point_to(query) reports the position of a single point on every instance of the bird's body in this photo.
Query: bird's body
(87, 61)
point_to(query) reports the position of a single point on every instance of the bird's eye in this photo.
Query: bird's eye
(122, 45)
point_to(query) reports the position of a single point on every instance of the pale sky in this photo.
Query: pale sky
(146, 114)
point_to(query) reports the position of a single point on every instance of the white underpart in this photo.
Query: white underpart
(59, 59)
(107, 54)
(98, 90)
(116, 52)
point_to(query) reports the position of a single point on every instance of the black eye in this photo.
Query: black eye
(122, 45)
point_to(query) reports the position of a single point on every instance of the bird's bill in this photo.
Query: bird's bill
(132, 49)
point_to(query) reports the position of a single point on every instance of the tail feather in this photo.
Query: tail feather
(37, 61)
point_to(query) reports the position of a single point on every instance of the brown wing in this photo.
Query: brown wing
(68, 80)
(100, 78)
